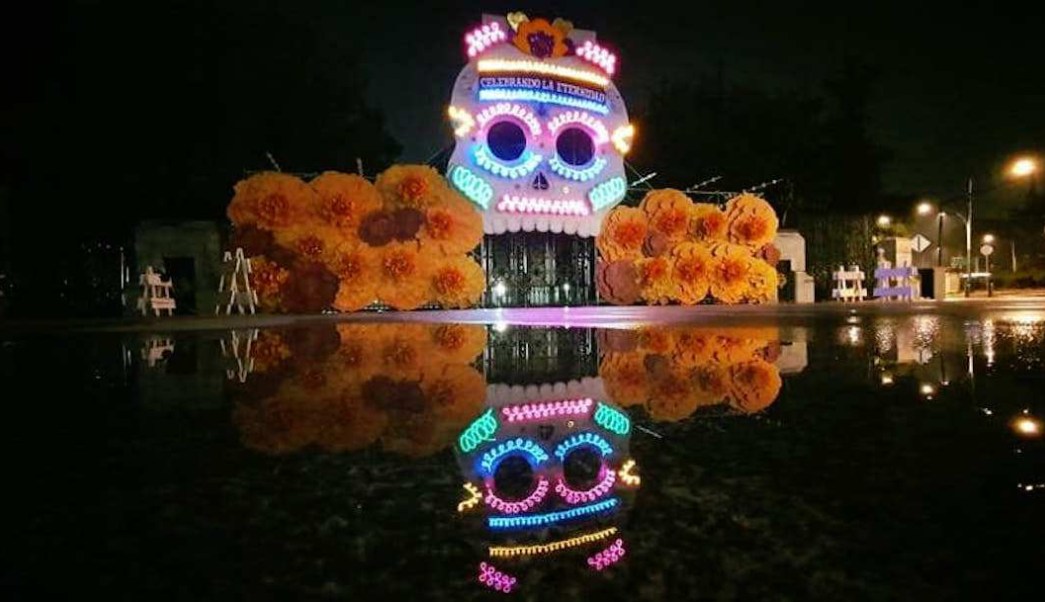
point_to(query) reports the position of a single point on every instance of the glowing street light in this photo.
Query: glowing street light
(884, 221)
(988, 238)
(1022, 167)
(925, 208)
(1027, 426)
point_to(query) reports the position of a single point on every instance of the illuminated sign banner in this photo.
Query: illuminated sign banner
(501, 82)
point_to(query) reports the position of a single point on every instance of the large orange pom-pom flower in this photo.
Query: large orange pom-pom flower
(655, 279)
(458, 282)
(729, 275)
(416, 186)
(623, 232)
(403, 283)
(753, 385)
(692, 272)
(355, 265)
(668, 211)
(452, 227)
(343, 199)
(270, 201)
(707, 222)
(751, 221)
(308, 243)
(762, 282)
(267, 279)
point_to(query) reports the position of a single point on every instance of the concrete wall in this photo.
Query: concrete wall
(199, 240)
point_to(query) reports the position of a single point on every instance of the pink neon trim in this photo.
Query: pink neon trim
(572, 496)
(593, 53)
(546, 409)
(494, 579)
(516, 204)
(610, 555)
(481, 38)
(524, 505)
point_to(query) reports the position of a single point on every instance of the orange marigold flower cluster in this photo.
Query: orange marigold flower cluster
(675, 371)
(714, 255)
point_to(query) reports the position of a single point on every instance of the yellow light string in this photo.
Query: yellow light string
(555, 546)
(475, 498)
(537, 67)
(625, 474)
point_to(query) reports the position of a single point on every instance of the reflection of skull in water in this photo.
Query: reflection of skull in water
(548, 471)
(541, 130)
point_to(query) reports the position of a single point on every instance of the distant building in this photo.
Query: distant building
(189, 253)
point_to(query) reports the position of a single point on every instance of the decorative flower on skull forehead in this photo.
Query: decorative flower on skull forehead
(539, 38)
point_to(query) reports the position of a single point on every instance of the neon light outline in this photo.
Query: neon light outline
(495, 579)
(550, 518)
(517, 204)
(542, 96)
(484, 159)
(611, 555)
(582, 439)
(476, 497)
(601, 136)
(573, 496)
(622, 138)
(473, 187)
(612, 419)
(529, 447)
(593, 53)
(548, 548)
(462, 119)
(481, 429)
(572, 173)
(626, 475)
(523, 505)
(548, 409)
(541, 68)
(607, 193)
(513, 110)
(483, 37)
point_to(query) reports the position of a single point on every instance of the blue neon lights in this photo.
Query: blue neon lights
(581, 439)
(542, 96)
(538, 520)
(607, 193)
(485, 159)
(612, 419)
(571, 173)
(527, 446)
(473, 187)
(481, 429)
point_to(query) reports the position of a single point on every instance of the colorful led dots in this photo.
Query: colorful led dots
(495, 579)
(506, 108)
(572, 496)
(484, 159)
(526, 94)
(610, 555)
(481, 429)
(572, 173)
(565, 207)
(593, 53)
(612, 419)
(622, 138)
(524, 505)
(542, 68)
(481, 38)
(580, 440)
(550, 518)
(474, 496)
(607, 193)
(551, 409)
(593, 124)
(473, 187)
(627, 476)
(461, 119)
(555, 546)
(526, 446)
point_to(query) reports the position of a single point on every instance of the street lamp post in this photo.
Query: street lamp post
(968, 240)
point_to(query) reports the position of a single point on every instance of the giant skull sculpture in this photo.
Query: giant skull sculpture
(540, 128)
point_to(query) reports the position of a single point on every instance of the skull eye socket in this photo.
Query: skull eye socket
(514, 478)
(575, 146)
(581, 467)
(506, 140)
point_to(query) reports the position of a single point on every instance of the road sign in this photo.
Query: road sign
(986, 249)
(920, 243)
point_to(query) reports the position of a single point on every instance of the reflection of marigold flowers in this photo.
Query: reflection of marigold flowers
(355, 265)
(343, 199)
(753, 385)
(624, 377)
(540, 39)
(267, 279)
(410, 186)
(402, 276)
(401, 355)
(692, 348)
(346, 424)
(268, 351)
(657, 341)
(454, 391)
(668, 212)
(270, 201)
(458, 282)
(455, 228)
(692, 272)
(459, 343)
(707, 222)
(655, 279)
(671, 397)
(751, 221)
(729, 276)
(623, 232)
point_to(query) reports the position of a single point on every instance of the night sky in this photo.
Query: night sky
(959, 91)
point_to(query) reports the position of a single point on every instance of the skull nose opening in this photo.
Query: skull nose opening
(539, 182)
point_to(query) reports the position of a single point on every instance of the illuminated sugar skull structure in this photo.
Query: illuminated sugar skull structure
(541, 133)
(547, 470)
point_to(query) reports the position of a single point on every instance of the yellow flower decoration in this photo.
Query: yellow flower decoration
(692, 272)
(707, 223)
(343, 199)
(540, 39)
(624, 230)
(655, 279)
(668, 211)
(415, 186)
(459, 282)
(729, 275)
(355, 265)
(751, 221)
(452, 226)
(753, 385)
(267, 278)
(402, 276)
(270, 201)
